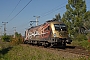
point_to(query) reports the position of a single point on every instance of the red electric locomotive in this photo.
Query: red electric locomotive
(51, 33)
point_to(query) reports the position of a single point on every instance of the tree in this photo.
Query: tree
(87, 20)
(57, 17)
(74, 16)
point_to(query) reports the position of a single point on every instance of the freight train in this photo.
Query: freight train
(51, 33)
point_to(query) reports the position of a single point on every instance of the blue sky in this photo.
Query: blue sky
(46, 9)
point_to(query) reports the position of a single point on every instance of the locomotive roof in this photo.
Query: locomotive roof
(34, 27)
(54, 21)
(49, 21)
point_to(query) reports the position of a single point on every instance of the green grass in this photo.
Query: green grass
(83, 43)
(26, 52)
(4, 48)
(4, 45)
(29, 53)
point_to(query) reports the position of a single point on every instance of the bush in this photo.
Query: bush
(17, 40)
(6, 38)
(80, 37)
(85, 44)
(88, 36)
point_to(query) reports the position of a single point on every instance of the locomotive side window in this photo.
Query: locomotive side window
(48, 28)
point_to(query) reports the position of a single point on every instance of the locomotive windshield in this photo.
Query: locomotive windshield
(60, 27)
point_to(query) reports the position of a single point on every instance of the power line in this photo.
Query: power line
(54, 9)
(51, 11)
(13, 9)
(20, 10)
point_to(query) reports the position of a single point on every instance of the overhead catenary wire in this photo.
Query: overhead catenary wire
(50, 11)
(54, 9)
(47, 13)
(13, 9)
(20, 11)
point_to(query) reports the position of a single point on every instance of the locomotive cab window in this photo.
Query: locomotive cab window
(60, 27)
(57, 26)
(63, 27)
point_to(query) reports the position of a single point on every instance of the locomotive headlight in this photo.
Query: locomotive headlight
(54, 34)
(60, 34)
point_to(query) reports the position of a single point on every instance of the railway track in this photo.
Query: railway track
(80, 51)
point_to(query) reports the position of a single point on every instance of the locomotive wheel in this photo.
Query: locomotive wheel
(26, 42)
(51, 45)
(46, 44)
(39, 44)
(64, 45)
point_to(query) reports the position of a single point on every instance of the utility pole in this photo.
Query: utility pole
(4, 23)
(14, 31)
(37, 19)
(0, 31)
(31, 22)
